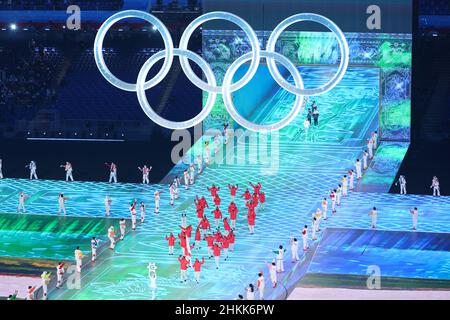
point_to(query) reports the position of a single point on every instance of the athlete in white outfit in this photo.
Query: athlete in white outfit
(59, 274)
(108, 202)
(199, 164)
(191, 173)
(112, 172)
(415, 216)
(62, 204)
(45, 278)
(33, 168)
(133, 215)
(94, 246)
(273, 273)
(1, 167)
(22, 198)
(280, 258)
(68, 168)
(145, 173)
(186, 179)
(260, 284)
(375, 139)
(78, 259)
(111, 237)
(157, 195)
(373, 213)
(402, 182)
(122, 227)
(435, 186)
(365, 156)
(294, 250)
(142, 209)
(358, 169)
(305, 238)
(370, 148)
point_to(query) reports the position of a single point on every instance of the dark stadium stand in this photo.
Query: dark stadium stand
(60, 4)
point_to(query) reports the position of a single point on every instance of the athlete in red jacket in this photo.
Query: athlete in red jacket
(171, 240)
(256, 187)
(233, 210)
(246, 195)
(202, 201)
(233, 189)
(198, 238)
(251, 217)
(225, 246)
(226, 225)
(231, 238)
(197, 267)
(199, 209)
(262, 199)
(209, 242)
(213, 190)
(187, 230)
(216, 250)
(217, 216)
(217, 200)
(184, 264)
(204, 224)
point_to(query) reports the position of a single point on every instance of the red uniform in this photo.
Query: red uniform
(247, 195)
(198, 235)
(256, 187)
(255, 199)
(184, 264)
(213, 191)
(199, 208)
(216, 250)
(232, 210)
(225, 243)
(226, 225)
(209, 240)
(204, 224)
(231, 237)
(187, 230)
(233, 190)
(197, 265)
(217, 214)
(171, 239)
(251, 217)
(202, 201)
(218, 236)
(182, 238)
(217, 200)
(262, 197)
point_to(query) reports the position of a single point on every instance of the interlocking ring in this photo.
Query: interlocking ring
(98, 48)
(211, 85)
(148, 109)
(226, 92)
(343, 47)
(254, 43)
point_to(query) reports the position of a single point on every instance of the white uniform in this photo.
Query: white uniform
(294, 250)
(402, 182)
(122, 226)
(142, 208)
(358, 169)
(59, 274)
(68, 169)
(375, 140)
(172, 194)
(199, 164)
(351, 175)
(33, 169)
(435, 186)
(111, 235)
(280, 260)
(250, 294)
(1, 166)
(273, 274)
(62, 205)
(145, 172)
(191, 174)
(133, 216)
(373, 213)
(207, 154)
(78, 259)
(324, 208)
(186, 179)
(260, 285)
(157, 195)
(112, 173)
(94, 246)
(107, 205)
(344, 182)
(22, 198)
(365, 155)
(305, 238)
(415, 216)
(370, 148)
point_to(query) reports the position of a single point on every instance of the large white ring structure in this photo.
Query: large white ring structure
(211, 85)
(343, 47)
(253, 39)
(149, 110)
(98, 48)
(227, 99)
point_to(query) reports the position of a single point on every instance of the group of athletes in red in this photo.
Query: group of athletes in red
(223, 238)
